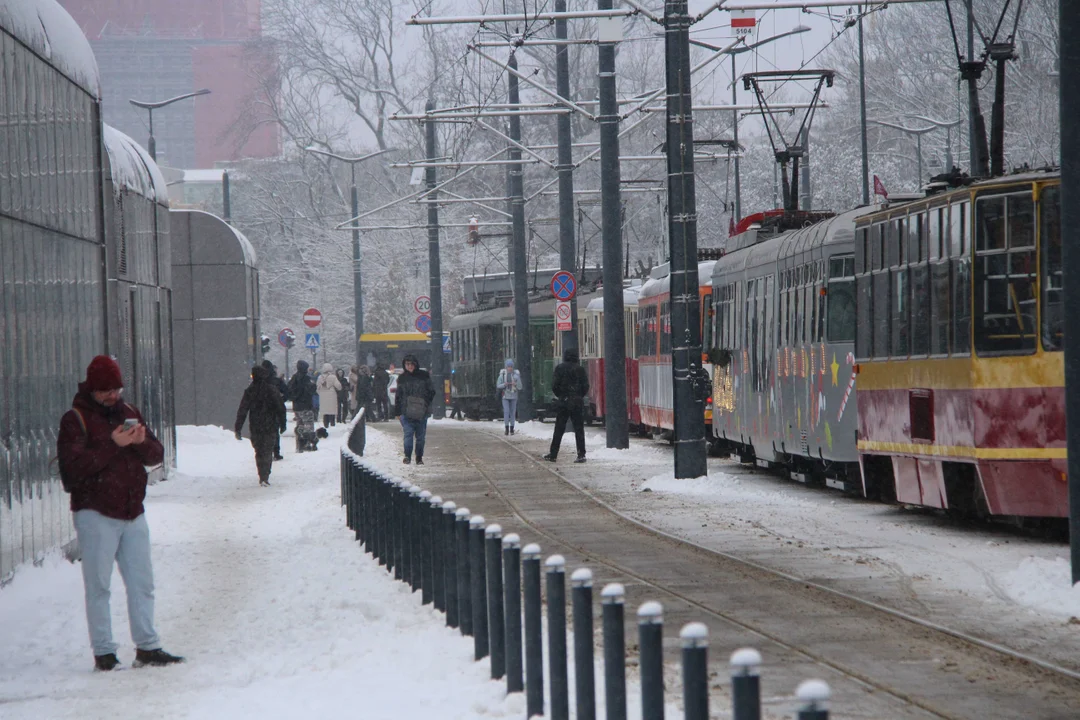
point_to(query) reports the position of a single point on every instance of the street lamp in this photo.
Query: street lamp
(948, 136)
(150, 107)
(917, 132)
(358, 294)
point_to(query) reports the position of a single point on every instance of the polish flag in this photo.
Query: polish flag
(879, 188)
(743, 19)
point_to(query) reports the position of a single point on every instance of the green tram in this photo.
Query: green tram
(482, 339)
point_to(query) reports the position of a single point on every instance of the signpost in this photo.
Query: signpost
(563, 286)
(562, 316)
(423, 323)
(312, 317)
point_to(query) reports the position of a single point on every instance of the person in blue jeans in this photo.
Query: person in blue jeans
(103, 449)
(509, 384)
(412, 403)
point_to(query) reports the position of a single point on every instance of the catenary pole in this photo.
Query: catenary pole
(566, 172)
(616, 423)
(973, 145)
(358, 292)
(1070, 241)
(735, 137)
(438, 405)
(690, 458)
(518, 265)
(862, 116)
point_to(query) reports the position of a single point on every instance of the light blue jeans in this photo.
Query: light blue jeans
(103, 540)
(414, 429)
(509, 411)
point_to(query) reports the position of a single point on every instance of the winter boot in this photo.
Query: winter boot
(549, 457)
(156, 658)
(511, 429)
(580, 459)
(104, 663)
(406, 460)
(419, 460)
(506, 430)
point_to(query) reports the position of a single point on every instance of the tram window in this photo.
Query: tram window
(862, 236)
(961, 287)
(901, 313)
(898, 247)
(707, 322)
(877, 246)
(864, 328)
(939, 309)
(881, 314)
(917, 228)
(840, 300)
(1053, 308)
(933, 234)
(958, 229)
(920, 309)
(1005, 303)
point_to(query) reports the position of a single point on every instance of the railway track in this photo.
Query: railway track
(882, 663)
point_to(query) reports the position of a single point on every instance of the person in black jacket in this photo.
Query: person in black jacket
(302, 392)
(412, 403)
(264, 410)
(570, 385)
(283, 388)
(380, 382)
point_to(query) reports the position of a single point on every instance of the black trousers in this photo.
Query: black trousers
(263, 443)
(575, 413)
(382, 408)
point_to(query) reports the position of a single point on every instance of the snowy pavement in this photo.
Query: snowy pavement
(264, 591)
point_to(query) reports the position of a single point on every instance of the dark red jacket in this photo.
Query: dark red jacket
(99, 474)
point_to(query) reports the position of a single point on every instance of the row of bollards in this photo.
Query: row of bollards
(486, 584)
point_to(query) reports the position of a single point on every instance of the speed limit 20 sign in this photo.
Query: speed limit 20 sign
(422, 305)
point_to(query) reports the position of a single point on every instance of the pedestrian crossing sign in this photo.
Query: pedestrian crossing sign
(311, 341)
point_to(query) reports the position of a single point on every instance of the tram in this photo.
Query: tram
(591, 347)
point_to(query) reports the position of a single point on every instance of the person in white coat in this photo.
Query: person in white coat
(328, 386)
(508, 385)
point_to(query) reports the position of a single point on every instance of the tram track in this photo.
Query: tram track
(950, 652)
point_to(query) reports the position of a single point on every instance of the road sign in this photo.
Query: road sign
(422, 305)
(312, 317)
(311, 341)
(283, 337)
(423, 323)
(743, 22)
(563, 285)
(562, 317)
(446, 344)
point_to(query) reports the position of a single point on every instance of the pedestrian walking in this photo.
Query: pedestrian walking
(302, 394)
(570, 385)
(343, 396)
(283, 389)
(328, 387)
(508, 384)
(412, 404)
(264, 410)
(455, 403)
(380, 381)
(103, 449)
(364, 392)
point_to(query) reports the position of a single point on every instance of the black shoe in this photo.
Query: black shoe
(407, 460)
(580, 459)
(506, 430)
(104, 663)
(511, 429)
(419, 461)
(279, 457)
(264, 483)
(157, 658)
(549, 457)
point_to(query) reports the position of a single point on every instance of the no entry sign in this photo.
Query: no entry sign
(312, 317)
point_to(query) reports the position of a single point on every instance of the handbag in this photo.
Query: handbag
(415, 407)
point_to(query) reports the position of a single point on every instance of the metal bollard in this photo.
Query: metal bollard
(478, 587)
(449, 570)
(416, 541)
(651, 648)
(385, 488)
(405, 522)
(584, 673)
(556, 606)
(346, 486)
(745, 685)
(354, 498)
(813, 698)
(399, 529)
(434, 519)
(695, 666)
(464, 588)
(612, 598)
(377, 482)
(424, 533)
(496, 615)
(534, 651)
(361, 517)
(511, 545)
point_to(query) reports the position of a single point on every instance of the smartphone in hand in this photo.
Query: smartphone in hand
(130, 423)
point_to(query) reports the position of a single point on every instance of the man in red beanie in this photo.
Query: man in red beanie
(103, 449)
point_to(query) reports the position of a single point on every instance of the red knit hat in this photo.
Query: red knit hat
(103, 374)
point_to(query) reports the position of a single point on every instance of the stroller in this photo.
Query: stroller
(306, 436)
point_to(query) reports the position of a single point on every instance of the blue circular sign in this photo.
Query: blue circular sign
(283, 337)
(563, 285)
(423, 323)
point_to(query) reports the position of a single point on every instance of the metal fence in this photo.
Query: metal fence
(489, 587)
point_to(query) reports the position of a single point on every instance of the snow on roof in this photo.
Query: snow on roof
(47, 29)
(245, 244)
(132, 167)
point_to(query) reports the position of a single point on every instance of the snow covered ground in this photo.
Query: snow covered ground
(278, 612)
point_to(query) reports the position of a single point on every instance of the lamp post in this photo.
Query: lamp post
(150, 107)
(358, 294)
(917, 132)
(948, 135)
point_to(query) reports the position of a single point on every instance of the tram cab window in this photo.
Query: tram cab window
(881, 314)
(1005, 303)
(1053, 308)
(864, 309)
(901, 309)
(840, 300)
(707, 322)
(862, 249)
(961, 278)
(934, 234)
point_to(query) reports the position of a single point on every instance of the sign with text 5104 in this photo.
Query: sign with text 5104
(743, 22)
(422, 305)
(311, 341)
(562, 317)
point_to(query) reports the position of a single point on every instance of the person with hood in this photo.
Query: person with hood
(301, 392)
(283, 389)
(343, 396)
(102, 450)
(570, 385)
(363, 391)
(508, 384)
(264, 410)
(412, 404)
(328, 387)
(381, 383)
